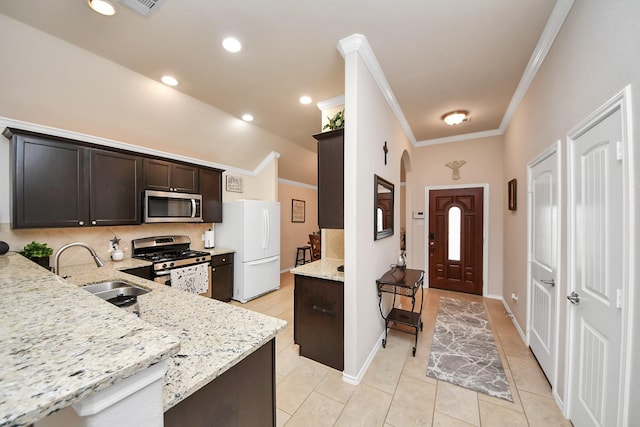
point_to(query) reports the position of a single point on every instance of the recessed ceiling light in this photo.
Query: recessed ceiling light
(232, 44)
(103, 7)
(453, 118)
(247, 117)
(305, 100)
(169, 80)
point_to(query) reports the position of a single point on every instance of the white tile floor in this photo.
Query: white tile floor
(395, 390)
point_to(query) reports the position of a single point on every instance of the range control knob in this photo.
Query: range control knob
(171, 265)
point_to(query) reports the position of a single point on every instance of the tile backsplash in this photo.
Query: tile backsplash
(98, 238)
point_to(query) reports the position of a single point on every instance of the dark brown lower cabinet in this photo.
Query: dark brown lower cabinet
(222, 277)
(318, 320)
(245, 395)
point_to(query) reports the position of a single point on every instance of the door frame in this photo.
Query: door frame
(621, 101)
(485, 229)
(554, 149)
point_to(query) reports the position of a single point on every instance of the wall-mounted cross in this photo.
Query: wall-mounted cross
(386, 150)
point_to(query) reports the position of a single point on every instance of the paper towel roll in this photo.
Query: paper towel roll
(209, 239)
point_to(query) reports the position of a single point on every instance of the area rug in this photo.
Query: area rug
(463, 351)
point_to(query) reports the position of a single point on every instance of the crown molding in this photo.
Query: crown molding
(330, 103)
(297, 184)
(105, 142)
(458, 138)
(548, 36)
(358, 43)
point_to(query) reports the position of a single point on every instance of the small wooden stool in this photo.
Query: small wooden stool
(301, 256)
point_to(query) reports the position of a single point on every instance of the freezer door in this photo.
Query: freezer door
(261, 228)
(258, 277)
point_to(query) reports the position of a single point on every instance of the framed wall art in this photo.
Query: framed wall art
(297, 210)
(235, 184)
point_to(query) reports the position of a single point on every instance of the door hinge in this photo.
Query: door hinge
(618, 298)
(618, 150)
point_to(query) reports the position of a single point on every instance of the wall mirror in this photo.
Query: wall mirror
(382, 208)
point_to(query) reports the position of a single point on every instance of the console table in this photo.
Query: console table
(404, 282)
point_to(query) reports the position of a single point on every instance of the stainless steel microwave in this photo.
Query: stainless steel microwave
(166, 206)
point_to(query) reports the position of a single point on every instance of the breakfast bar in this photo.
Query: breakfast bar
(60, 344)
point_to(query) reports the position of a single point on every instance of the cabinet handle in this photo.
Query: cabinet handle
(224, 259)
(81, 222)
(213, 269)
(94, 222)
(322, 310)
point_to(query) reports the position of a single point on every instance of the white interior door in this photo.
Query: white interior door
(543, 253)
(596, 273)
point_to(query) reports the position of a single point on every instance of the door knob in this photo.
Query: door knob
(574, 298)
(551, 282)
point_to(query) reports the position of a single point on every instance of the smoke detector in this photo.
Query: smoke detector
(143, 7)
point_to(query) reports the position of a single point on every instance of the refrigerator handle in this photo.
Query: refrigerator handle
(265, 232)
(264, 261)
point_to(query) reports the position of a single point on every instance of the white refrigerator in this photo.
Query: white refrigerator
(252, 229)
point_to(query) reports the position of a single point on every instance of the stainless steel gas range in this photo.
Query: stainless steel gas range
(172, 259)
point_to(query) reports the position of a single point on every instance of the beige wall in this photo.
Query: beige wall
(483, 166)
(593, 58)
(295, 234)
(51, 82)
(262, 186)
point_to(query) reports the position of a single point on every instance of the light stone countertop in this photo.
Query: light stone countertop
(213, 336)
(325, 268)
(59, 344)
(218, 251)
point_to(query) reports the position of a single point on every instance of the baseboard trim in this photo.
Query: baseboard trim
(523, 336)
(350, 379)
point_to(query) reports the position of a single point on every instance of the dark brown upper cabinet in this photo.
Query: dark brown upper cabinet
(116, 184)
(211, 190)
(168, 176)
(331, 179)
(61, 183)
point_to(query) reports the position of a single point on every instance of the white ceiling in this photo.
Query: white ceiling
(437, 55)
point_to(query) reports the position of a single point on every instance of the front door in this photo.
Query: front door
(455, 239)
(596, 269)
(543, 260)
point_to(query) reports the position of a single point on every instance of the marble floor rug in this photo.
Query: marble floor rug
(463, 351)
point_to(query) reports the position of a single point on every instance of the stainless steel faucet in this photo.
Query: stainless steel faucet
(56, 257)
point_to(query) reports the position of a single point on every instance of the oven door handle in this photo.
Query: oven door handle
(162, 273)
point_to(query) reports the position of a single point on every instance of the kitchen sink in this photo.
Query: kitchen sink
(117, 292)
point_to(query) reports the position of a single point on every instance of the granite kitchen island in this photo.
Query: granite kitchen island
(60, 343)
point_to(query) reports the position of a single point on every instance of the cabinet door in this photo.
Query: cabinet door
(49, 183)
(167, 176)
(116, 182)
(211, 190)
(184, 178)
(222, 278)
(157, 175)
(331, 179)
(319, 320)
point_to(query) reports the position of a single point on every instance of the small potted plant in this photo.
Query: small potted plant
(38, 253)
(336, 122)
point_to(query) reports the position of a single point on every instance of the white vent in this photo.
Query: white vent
(143, 7)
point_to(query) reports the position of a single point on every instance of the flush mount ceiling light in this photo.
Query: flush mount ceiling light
(103, 7)
(247, 117)
(305, 100)
(232, 45)
(169, 80)
(453, 118)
